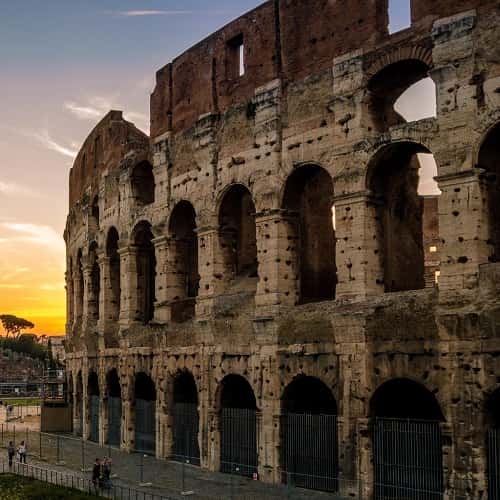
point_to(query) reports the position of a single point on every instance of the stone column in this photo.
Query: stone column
(77, 301)
(213, 438)
(127, 427)
(103, 417)
(269, 441)
(88, 298)
(359, 250)
(277, 254)
(128, 300)
(70, 302)
(162, 312)
(85, 407)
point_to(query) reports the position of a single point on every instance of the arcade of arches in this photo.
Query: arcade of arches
(295, 276)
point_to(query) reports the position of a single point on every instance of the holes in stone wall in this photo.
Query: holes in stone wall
(237, 235)
(146, 271)
(308, 199)
(399, 15)
(143, 183)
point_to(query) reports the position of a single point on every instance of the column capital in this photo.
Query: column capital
(128, 250)
(275, 213)
(161, 241)
(357, 197)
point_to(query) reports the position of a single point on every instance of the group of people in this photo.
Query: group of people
(101, 473)
(21, 451)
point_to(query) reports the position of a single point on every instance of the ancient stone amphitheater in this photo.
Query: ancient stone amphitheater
(260, 285)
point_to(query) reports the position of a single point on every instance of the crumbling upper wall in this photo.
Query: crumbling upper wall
(427, 11)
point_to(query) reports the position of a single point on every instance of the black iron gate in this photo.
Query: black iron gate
(185, 433)
(114, 421)
(408, 460)
(145, 426)
(94, 419)
(238, 441)
(494, 464)
(310, 451)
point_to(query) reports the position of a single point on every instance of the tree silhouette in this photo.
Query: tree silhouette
(14, 325)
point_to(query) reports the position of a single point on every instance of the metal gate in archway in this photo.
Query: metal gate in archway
(185, 433)
(238, 441)
(310, 451)
(145, 426)
(494, 464)
(408, 460)
(94, 419)
(114, 421)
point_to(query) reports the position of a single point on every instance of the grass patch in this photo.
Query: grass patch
(21, 401)
(22, 488)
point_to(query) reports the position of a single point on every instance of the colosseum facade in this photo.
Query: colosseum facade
(261, 283)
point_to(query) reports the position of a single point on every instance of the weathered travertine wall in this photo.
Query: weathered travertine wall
(209, 247)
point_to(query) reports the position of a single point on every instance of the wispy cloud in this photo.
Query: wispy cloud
(11, 286)
(51, 287)
(44, 138)
(13, 189)
(141, 13)
(34, 233)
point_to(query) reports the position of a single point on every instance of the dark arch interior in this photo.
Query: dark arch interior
(95, 283)
(493, 410)
(93, 386)
(146, 271)
(394, 180)
(114, 388)
(236, 392)
(185, 389)
(144, 387)
(405, 399)
(95, 210)
(489, 155)
(309, 199)
(112, 245)
(143, 183)
(388, 85)
(309, 395)
(79, 288)
(237, 232)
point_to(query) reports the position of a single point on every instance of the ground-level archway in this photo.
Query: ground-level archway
(114, 408)
(493, 444)
(407, 442)
(185, 425)
(238, 426)
(145, 414)
(78, 423)
(309, 449)
(94, 406)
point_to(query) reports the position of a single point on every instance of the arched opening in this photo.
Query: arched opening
(114, 303)
(145, 414)
(389, 85)
(95, 211)
(308, 199)
(146, 272)
(93, 399)
(238, 426)
(407, 441)
(78, 422)
(185, 419)
(489, 160)
(184, 278)
(79, 285)
(237, 235)
(95, 284)
(114, 408)
(407, 216)
(309, 435)
(492, 411)
(143, 183)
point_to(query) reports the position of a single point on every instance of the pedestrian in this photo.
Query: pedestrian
(96, 473)
(11, 451)
(22, 452)
(106, 473)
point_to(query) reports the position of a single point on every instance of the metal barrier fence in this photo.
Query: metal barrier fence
(13, 412)
(167, 479)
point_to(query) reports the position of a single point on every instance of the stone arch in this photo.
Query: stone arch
(145, 413)
(114, 284)
(93, 398)
(407, 225)
(183, 278)
(143, 183)
(95, 282)
(237, 233)
(142, 237)
(114, 407)
(308, 201)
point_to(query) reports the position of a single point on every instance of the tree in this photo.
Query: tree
(14, 325)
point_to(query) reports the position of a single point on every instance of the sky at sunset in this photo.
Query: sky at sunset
(65, 63)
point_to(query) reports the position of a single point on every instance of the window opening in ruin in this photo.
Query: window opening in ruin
(95, 211)
(490, 165)
(308, 199)
(143, 184)
(236, 57)
(146, 272)
(407, 216)
(401, 92)
(309, 458)
(238, 426)
(238, 240)
(145, 414)
(186, 419)
(399, 15)
(94, 410)
(112, 245)
(184, 278)
(114, 408)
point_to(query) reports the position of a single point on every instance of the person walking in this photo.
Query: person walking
(11, 451)
(22, 452)
(106, 473)
(96, 473)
